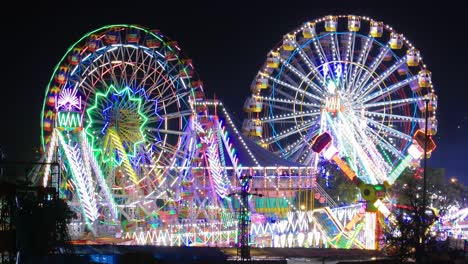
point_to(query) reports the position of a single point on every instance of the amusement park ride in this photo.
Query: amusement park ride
(147, 159)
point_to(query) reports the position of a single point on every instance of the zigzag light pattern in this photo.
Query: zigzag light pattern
(85, 186)
(99, 176)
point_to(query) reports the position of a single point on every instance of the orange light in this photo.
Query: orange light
(344, 167)
(420, 136)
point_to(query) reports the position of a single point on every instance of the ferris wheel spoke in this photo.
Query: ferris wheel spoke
(292, 115)
(290, 131)
(373, 66)
(280, 92)
(295, 62)
(286, 101)
(172, 69)
(387, 129)
(336, 56)
(310, 64)
(166, 87)
(301, 75)
(319, 50)
(168, 116)
(287, 79)
(393, 118)
(110, 59)
(170, 150)
(85, 85)
(94, 76)
(292, 98)
(160, 158)
(153, 80)
(395, 103)
(150, 108)
(376, 82)
(171, 99)
(387, 90)
(301, 91)
(290, 150)
(284, 108)
(348, 57)
(300, 150)
(159, 86)
(145, 65)
(357, 70)
(385, 144)
(166, 131)
(131, 69)
(335, 48)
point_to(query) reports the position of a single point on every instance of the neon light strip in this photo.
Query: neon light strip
(369, 230)
(50, 154)
(231, 151)
(384, 210)
(344, 167)
(99, 177)
(123, 155)
(85, 194)
(69, 119)
(213, 159)
(398, 170)
(354, 235)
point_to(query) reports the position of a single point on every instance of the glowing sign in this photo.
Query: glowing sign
(69, 120)
(68, 100)
(332, 104)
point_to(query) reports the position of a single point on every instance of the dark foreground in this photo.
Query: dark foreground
(111, 254)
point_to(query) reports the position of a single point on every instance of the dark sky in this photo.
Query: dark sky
(228, 42)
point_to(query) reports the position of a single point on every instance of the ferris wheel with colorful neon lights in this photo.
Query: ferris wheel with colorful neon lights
(351, 76)
(118, 108)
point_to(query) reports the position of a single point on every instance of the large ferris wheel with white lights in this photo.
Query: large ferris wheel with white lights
(352, 76)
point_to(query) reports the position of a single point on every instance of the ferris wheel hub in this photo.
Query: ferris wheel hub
(333, 104)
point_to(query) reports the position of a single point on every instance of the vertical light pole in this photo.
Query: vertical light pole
(423, 220)
(243, 248)
(425, 156)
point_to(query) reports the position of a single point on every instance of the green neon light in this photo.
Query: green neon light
(89, 131)
(69, 120)
(385, 154)
(353, 237)
(79, 43)
(398, 170)
(379, 187)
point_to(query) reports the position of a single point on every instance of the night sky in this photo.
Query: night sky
(228, 42)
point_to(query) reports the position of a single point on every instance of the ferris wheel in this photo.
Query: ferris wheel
(351, 76)
(119, 105)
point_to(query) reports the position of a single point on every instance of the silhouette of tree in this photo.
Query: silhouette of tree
(336, 184)
(410, 237)
(42, 220)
